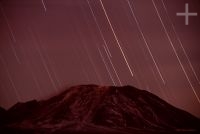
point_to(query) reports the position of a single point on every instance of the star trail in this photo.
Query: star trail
(175, 52)
(48, 45)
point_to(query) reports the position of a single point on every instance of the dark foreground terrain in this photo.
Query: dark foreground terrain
(92, 109)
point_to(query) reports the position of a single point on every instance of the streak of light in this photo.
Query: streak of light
(95, 43)
(100, 31)
(15, 52)
(157, 81)
(46, 68)
(89, 57)
(184, 51)
(116, 38)
(87, 51)
(93, 65)
(83, 69)
(11, 33)
(35, 79)
(51, 67)
(10, 78)
(112, 65)
(28, 66)
(154, 73)
(175, 52)
(9, 26)
(108, 50)
(44, 5)
(107, 68)
(137, 79)
(147, 46)
(45, 64)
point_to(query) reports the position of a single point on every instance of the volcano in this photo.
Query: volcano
(93, 109)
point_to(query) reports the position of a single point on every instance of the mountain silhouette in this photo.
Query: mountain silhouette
(99, 110)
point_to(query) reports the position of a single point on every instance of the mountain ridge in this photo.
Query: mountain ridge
(93, 108)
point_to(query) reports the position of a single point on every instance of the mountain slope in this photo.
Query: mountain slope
(98, 109)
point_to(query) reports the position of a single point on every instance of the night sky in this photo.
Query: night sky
(47, 45)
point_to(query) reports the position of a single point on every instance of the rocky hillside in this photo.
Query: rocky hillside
(99, 109)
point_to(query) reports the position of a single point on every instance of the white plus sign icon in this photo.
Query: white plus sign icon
(186, 14)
